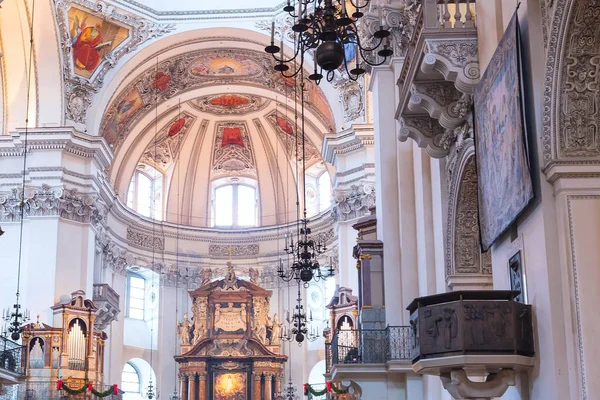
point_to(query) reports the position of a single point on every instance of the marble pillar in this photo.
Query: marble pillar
(268, 386)
(202, 390)
(194, 387)
(256, 385)
(183, 379)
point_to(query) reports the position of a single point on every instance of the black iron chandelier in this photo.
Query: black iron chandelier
(289, 392)
(331, 30)
(296, 329)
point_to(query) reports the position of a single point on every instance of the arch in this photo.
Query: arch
(571, 123)
(145, 374)
(466, 265)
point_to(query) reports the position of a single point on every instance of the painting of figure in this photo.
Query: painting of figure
(121, 113)
(225, 65)
(91, 40)
(505, 186)
(230, 386)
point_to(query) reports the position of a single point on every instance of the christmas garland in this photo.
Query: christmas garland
(89, 387)
(329, 386)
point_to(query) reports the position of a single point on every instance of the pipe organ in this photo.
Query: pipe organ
(66, 351)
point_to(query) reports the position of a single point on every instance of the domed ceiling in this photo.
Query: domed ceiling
(222, 113)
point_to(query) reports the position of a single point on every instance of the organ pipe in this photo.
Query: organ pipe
(76, 345)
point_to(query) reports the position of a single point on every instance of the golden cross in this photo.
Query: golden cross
(230, 253)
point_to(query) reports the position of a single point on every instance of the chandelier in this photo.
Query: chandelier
(296, 329)
(328, 28)
(289, 392)
(150, 394)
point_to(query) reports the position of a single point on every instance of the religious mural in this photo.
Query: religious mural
(505, 186)
(121, 114)
(218, 65)
(199, 69)
(229, 386)
(232, 151)
(285, 130)
(162, 152)
(92, 38)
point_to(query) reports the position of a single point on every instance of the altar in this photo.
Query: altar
(231, 347)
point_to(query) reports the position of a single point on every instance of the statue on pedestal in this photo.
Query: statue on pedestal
(184, 330)
(275, 331)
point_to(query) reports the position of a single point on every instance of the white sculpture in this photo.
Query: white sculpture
(184, 330)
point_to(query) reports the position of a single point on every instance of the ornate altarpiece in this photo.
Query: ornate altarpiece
(230, 350)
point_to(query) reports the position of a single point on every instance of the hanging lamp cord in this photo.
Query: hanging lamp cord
(25, 151)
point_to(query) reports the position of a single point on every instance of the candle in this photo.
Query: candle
(344, 7)
(380, 15)
(272, 32)
(299, 10)
(315, 60)
(281, 53)
(356, 53)
(311, 315)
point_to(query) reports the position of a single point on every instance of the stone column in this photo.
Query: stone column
(90, 344)
(256, 385)
(183, 379)
(202, 391)
(194, 385)
(268, 385)
(278, 381)
(64, 357)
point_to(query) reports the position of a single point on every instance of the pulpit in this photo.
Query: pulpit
(230, 347)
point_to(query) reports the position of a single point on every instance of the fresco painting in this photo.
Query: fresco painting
(121, 114)
(225, 65)
(92, 39)
(232, 136)
(230, 386)
(229, 100)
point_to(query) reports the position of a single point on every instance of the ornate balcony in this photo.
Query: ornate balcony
(440, 73)
(477, 333)
(107, 301)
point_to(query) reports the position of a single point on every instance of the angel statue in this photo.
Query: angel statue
(185, 330)
(205, 276)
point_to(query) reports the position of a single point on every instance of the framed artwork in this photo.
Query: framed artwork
(504, 180)
(92, 38)
(516, 277)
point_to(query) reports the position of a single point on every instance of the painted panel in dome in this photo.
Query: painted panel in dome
(92, 39)
(225, 65)
(121, 114)
(229, 100)
(232, 135)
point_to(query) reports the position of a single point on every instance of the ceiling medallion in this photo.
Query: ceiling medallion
(229, 104)
(329, 30)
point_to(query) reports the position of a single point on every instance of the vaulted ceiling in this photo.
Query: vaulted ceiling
(215, 112)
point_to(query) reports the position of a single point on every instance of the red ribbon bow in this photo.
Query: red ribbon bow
(328, 385)
(305, 389)
(89, 389)
(59, 384)
(115, 390)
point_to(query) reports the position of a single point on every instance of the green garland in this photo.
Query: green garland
(75, 392)
(338, 391)
(104, 394)
(315, 392)
(322, 392)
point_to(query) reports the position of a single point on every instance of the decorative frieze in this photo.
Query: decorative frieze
(236, 250)
(148, 241)
(351, 96)
(52, 201)
(353, 203)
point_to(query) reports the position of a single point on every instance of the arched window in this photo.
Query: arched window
(145, 192)
(130, 379)
(136, 295)
(235, 204)
(324, 191)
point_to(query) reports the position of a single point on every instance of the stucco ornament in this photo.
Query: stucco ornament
(45, 200)
(353, 203)
(80, 89)
(351, 95)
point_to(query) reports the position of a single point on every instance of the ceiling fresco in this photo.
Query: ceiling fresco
(200, 69)
(229, 104)
(233, 154)
(286, 134)
(162, 152)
